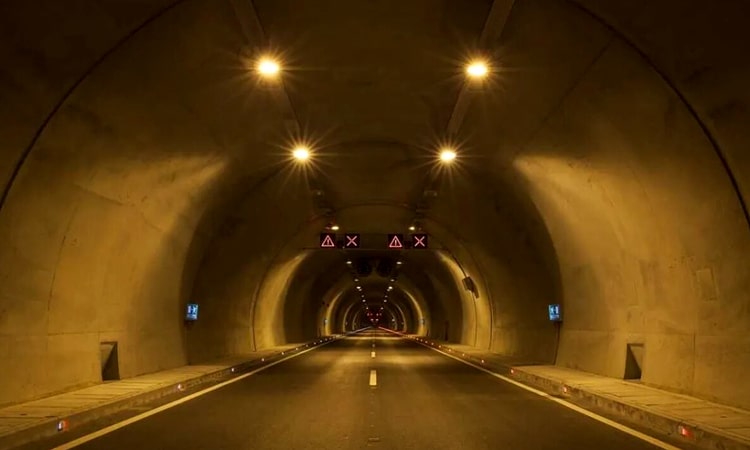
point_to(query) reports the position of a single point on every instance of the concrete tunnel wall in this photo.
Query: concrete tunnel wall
(622, 141)
(649, 233)
(99, 234)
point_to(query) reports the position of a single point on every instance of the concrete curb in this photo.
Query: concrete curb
(700, 435)
(693, 433)
(46, 428)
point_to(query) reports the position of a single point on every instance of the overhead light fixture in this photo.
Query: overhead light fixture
(412, 228)
(477, 69)
(268, 67)
(447, 155)
(301, 153)
(398, 263)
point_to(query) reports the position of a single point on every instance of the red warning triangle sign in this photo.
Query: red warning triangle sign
(327, 242)
(395, 242)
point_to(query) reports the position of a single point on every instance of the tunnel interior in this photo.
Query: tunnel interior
(602, 165)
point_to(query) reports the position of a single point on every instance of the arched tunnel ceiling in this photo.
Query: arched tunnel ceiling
(602, 165)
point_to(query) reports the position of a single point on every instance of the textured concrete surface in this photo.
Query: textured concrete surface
(602, 166)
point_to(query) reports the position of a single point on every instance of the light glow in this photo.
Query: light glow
(477, 69)
(447, 155)
(268, 67)
(301, 153)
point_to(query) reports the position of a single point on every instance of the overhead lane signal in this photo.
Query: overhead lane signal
(396, 241)
(351, 240)
(327, 240)
(419, 240)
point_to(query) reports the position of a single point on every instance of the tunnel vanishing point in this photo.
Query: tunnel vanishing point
(601, 162)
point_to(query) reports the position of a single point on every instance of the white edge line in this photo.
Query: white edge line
(104, 431)
(625, 429)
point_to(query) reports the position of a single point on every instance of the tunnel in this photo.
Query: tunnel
(595, 160)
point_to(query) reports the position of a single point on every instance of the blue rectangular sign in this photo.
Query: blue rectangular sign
(554, 313)
(192, 312)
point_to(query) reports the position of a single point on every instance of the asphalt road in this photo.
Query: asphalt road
(324, 400)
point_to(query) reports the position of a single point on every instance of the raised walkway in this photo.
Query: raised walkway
(27, 422)
(695, 421)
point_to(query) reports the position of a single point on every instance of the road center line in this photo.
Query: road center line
(373, 377)
(372, 354)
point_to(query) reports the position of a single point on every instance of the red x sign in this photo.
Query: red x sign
(352, 240)
(419, 240)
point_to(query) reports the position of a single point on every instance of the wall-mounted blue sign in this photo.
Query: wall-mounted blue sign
(555, 314)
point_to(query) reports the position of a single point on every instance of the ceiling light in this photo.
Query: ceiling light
(447, 155)
(412, 228)
(349, 262)
(301, 153)
(477, 69)
(398, 263)
(268, 67)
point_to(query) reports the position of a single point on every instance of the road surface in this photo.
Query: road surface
(373, 390)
